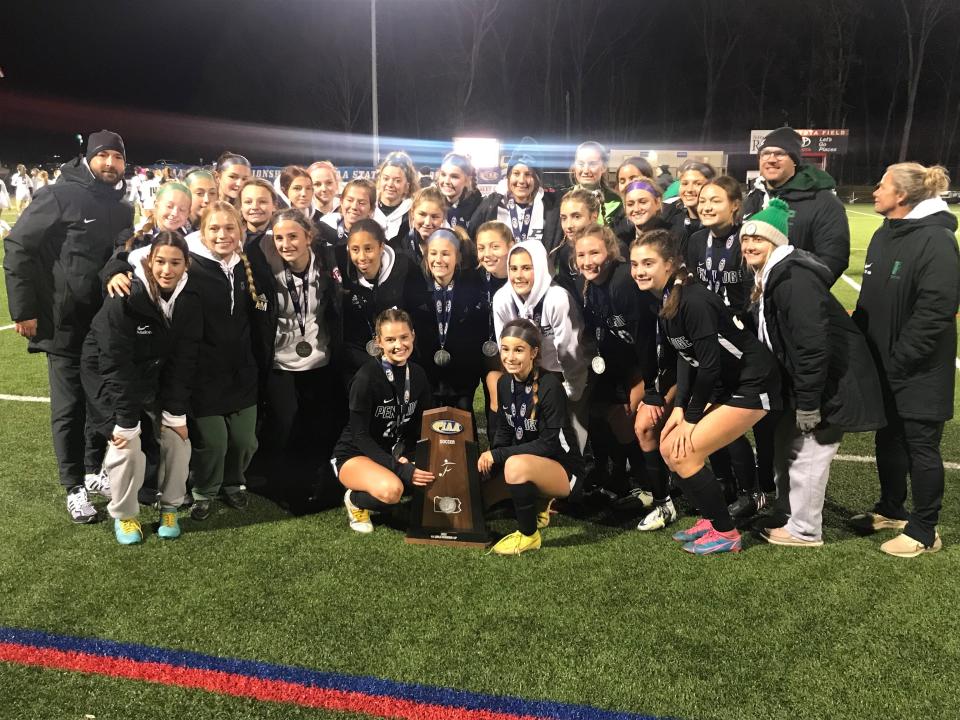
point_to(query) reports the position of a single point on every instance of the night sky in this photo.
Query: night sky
(280, 80)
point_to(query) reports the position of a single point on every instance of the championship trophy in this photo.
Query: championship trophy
(449, 511)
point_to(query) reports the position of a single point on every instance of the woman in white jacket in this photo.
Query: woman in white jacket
(530, 294)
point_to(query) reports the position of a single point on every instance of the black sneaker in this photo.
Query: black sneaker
(200, 510)
(745, 506)
(237, 500)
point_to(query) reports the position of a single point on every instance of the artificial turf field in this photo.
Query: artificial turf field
(601, 616)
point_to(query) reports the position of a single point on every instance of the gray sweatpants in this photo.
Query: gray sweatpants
(801, 469)
(125, 469)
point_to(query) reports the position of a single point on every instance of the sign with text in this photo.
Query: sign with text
(814, 141)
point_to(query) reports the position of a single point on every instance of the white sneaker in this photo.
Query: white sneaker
(79, 507)
(659, 517)
(359, 518)
(97, 483)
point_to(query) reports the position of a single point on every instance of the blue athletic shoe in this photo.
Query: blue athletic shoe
(702, 527)
(128, 532)
(169, 526)
(715, 542)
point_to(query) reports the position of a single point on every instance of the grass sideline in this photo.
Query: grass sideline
(602, 615)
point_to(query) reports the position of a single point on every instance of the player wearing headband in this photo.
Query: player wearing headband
(453, 327)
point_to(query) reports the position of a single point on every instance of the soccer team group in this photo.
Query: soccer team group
(627, 333)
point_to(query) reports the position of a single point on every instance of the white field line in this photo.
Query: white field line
(879, 218)
(850, 281)
(869, 459)
(24, 398)
(853, 283)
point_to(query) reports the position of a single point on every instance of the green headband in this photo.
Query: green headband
(167, 187)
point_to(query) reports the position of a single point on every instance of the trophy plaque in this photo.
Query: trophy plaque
(450, 510)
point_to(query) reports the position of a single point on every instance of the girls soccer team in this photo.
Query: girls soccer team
(622, 344)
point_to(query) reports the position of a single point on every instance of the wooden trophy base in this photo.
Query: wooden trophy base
(450, 510)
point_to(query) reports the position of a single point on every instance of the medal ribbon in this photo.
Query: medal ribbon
(299, 311)
(489, 308)
(519, 226)
(413, 237)
(395, 427)
(521, 402)
(443, 303)
(715, 270)
(366, 303)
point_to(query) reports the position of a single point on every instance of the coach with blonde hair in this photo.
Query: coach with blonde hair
(907, 309)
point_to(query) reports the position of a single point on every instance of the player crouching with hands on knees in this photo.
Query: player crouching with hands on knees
(535, 447)
(387, 400)
(137, 365)
(726, 382)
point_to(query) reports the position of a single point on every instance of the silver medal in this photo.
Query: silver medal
(599, 365)
(304, 349)
(373, 350)
(441, 358)
(490, 348)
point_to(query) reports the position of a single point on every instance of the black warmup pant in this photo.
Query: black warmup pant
(910, 446)
(75, 443)
(763, 434)
(305, 414)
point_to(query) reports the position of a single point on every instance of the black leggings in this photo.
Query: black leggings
(305, 413)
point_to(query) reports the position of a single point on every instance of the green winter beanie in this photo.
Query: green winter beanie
(770, 223)
(672, 191)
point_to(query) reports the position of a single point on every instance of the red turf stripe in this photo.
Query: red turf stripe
(242, 686)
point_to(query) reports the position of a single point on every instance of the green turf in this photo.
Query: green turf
(602, 615)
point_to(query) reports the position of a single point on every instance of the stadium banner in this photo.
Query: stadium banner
(814, 140)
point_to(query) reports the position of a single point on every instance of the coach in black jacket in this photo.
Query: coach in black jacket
(819, 222)
(52, 259)
(907, 309)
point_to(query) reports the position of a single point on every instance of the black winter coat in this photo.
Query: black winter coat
(54, 253)
(819, 224)
(825, 360)
(907, 309)
(226, 378)
(134, 358)
(404, 288)
(492, 203)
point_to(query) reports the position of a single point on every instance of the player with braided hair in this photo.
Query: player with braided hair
(535, 448)
(224, 401)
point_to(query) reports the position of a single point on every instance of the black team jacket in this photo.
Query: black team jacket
(825, 360)
(819, 223)
(55, 252)
(908, 307)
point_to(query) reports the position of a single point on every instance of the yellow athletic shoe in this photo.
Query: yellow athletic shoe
(516, 543)
(359, 518)
(543, 516)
